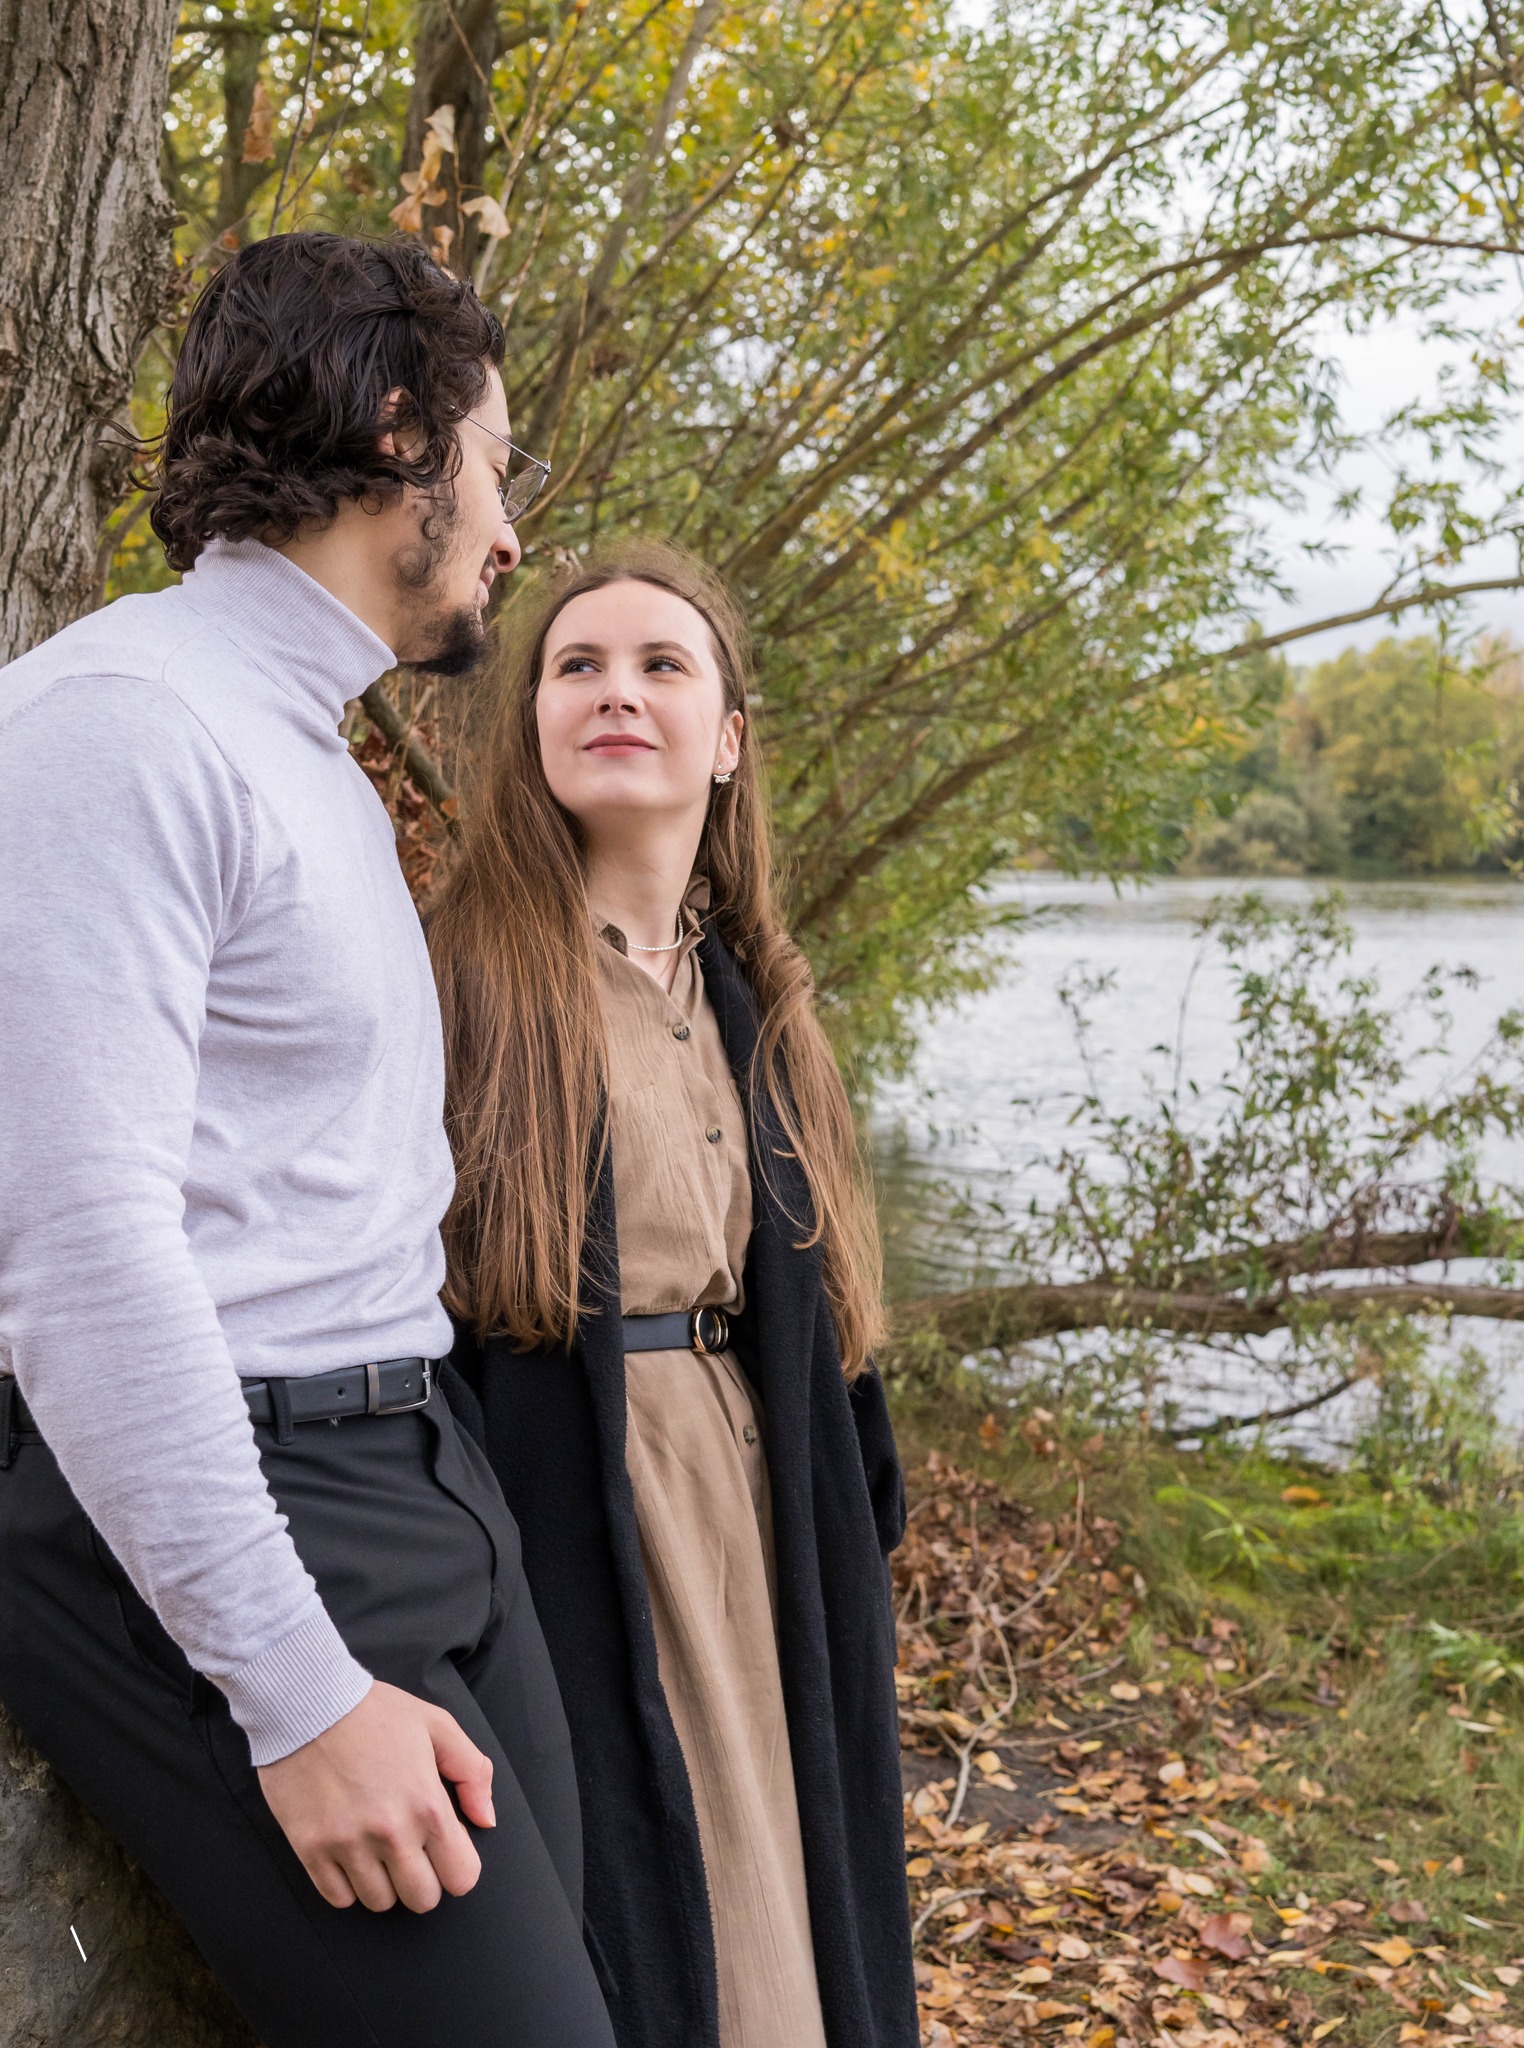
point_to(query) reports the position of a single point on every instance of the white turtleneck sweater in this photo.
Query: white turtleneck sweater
(221, 1090)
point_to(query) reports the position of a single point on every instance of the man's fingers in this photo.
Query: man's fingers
(330, 1880)
(414, 1879)
(453, 1856)
(465, 1767)
(372, 1884)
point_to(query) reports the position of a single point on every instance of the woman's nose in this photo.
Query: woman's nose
(618, 696)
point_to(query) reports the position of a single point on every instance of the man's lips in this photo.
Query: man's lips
(619, 743)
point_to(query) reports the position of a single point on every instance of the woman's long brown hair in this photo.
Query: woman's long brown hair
(512, 942)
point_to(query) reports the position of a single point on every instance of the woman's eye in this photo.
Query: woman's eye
(574, 665)
(663, 662)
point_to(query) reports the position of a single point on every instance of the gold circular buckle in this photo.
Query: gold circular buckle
(708, 1331)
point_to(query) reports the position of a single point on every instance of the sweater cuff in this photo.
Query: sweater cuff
(291, 1692)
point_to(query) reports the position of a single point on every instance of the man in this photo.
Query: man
(260, 1605)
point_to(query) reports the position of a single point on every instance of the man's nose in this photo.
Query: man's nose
(507, 552)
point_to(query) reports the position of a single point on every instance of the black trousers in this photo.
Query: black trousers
(403, 1527)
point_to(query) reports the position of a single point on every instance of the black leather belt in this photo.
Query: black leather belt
(704, 1330)
(392, 1387)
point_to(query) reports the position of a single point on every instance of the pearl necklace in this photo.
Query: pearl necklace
(678, 941)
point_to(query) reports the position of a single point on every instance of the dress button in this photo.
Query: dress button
(749, 1433)
(680, 1031)
(714, 1134)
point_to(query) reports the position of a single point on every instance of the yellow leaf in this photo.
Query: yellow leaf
(1322, 2033)
(918, 1866)
(1035, 1973)
(1125, 1690)
(1394, 1950)
(988, 1761)
(1458, 2016)
(1041, 1913)
(1385, 1863)
(1301, 1496)
(989, 1432)
(1430, 1868)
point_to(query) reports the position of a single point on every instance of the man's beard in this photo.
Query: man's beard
(460, 644)
(458, 635)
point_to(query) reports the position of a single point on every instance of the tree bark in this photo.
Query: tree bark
(90, 1956)
(454, 50)
(85, 227)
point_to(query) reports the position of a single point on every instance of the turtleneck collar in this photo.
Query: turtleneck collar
(303, 638)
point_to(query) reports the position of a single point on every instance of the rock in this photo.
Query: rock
(140, 1983)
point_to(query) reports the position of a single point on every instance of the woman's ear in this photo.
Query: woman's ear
(730, 743)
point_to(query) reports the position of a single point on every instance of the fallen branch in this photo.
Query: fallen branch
(1450, 1236)
(995, 1318)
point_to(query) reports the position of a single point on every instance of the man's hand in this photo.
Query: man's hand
(365, 1806)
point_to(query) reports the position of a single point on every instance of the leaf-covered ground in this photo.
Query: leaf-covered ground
(1110, 1833)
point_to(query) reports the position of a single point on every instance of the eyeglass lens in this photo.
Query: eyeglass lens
(520, 491)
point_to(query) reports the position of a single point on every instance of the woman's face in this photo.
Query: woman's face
(631, 708)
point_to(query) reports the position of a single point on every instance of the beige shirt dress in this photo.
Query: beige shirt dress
(682, 1190)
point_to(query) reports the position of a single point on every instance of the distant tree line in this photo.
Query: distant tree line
(1401, 760)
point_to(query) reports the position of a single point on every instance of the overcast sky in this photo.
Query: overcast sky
(1381, 371)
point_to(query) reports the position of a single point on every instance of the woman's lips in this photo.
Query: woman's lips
(620, 743)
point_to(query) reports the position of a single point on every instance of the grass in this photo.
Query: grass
(1374, 1617)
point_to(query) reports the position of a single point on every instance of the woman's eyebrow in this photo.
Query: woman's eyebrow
(579, 647)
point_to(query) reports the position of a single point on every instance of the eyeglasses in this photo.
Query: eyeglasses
(522, 485)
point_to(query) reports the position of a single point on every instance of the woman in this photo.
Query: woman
(663, 1260)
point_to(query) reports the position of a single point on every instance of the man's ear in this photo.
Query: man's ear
(391, 405)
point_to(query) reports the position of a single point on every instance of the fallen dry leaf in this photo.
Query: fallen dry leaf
(1227, 1934)
(1189, 1972)
(1393, 1950)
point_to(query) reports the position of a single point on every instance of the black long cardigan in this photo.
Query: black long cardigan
(553, 1427)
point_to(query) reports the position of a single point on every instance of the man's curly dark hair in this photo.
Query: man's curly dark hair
(279, 396)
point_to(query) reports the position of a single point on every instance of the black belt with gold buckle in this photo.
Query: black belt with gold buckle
(704, 1330)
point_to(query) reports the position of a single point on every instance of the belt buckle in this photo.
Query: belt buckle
(708, 1331)
(374, 1405)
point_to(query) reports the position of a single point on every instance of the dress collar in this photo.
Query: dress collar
(690, 917)
(301, 636)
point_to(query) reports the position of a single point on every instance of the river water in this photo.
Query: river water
(985, 1110)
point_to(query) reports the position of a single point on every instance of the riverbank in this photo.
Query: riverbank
(1209, 1749)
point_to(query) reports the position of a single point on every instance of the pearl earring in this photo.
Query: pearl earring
(721, 780)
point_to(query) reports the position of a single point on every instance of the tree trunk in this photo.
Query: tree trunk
(86, 232)
(85, 228)
(454, 49)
